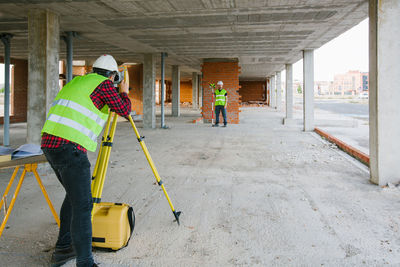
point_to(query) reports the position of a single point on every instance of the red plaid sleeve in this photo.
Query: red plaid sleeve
(106, 94)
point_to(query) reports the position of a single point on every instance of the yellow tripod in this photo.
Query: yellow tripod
(103, 157)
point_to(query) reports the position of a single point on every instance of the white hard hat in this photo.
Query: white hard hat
(220, 83)
(106, 62)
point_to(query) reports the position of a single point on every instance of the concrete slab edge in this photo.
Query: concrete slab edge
(362, 157)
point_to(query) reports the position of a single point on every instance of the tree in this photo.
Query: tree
(299, 91)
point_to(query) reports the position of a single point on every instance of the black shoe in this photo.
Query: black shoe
(61, 256)
(215, 125)
(224, 125)
(95, 265)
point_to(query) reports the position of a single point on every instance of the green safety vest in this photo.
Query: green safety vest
(220, 98)
(73, 116)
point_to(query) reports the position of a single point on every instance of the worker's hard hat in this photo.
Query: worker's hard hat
(106, 62)
(220, 83)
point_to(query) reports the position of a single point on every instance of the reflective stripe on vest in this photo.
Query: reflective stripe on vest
(220, 98)
(73, 124)
(81, 109)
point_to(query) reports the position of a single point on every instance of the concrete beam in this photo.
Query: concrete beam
(279, 29)
(149, 85)
(43, 46)
(176, 91)
(384, 96)
(278, 90)
(195, 90)
(308, 90)
(289, 92)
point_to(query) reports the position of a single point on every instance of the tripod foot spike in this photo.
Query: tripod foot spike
(177, 214)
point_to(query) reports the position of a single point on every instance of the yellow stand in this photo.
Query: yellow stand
(100, 168)
(27, 168)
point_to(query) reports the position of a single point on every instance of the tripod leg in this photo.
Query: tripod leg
(102, 159)
(107, 152)
(96, 167)
(153, 168)
(98, 182)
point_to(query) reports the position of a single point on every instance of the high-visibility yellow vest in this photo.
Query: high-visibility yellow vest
(73, 116)
(220, 98)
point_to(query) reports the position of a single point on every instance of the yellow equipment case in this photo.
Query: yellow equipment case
(113, 224)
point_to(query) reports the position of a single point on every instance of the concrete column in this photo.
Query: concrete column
(273, 92)
(384, 95)
(43, 47)
(195, 90)
(163, 55)
(308, 90)
(200, 91)
(70, 53)
(5, 39)
(149, 85)
(289, 92)
(176, 91)
(278, 90)
(267, 91)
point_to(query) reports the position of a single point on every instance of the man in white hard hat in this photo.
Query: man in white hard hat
(221, 101)
(74, 122)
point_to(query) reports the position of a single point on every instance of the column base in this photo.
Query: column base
(289, 121)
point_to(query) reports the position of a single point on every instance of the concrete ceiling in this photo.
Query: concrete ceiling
(262, 34)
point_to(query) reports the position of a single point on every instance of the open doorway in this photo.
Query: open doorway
(2, 90)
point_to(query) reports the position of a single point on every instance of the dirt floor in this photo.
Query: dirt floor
(254, 194)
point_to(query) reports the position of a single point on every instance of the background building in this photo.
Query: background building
(350, 83)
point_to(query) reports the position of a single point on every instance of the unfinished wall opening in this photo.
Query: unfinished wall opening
(18, 90)
(2, 90)
(253, 91)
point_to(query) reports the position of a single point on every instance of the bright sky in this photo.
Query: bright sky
(1, 73)
(348, 51)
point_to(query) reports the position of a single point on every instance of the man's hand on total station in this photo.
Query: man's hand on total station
(123, 87)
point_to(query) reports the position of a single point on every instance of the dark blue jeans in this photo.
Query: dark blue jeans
(219, 109)
(72, 169)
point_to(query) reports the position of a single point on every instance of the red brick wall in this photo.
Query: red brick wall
(78, 70)
(228, 72)
(136, 85)
(186, 92)
(19, 90)
(252, 90)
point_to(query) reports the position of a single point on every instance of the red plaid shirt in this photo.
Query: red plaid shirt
(104, 94)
